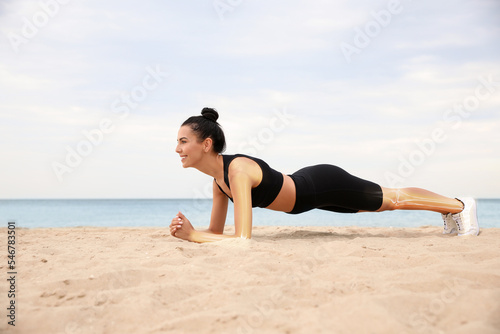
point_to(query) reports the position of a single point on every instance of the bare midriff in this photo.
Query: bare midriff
(285, 201)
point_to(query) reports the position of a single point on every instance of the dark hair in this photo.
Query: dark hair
(206, 126)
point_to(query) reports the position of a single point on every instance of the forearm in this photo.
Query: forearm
(202, 236)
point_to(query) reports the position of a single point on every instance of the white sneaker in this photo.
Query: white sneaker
(467, 219)
(450, 227)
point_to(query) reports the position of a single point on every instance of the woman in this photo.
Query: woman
(250, 182)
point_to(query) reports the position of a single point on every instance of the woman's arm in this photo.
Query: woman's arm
(243, 174)
(219, 211)
(241, 189)
(181, 228)
(217, 219)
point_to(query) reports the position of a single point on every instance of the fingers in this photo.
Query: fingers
(175, 224)
(176, 221)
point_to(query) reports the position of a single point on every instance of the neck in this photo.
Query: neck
(213, 165)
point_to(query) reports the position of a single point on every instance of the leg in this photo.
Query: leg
(418, 199)
(331, 188)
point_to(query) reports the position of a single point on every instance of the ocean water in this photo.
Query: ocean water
(159, 212)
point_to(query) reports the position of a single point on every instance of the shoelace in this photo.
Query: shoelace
(445, 221)
(458, 221)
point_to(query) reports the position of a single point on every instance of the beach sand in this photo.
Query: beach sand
(284, 280)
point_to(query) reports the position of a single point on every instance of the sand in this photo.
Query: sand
(284, 280)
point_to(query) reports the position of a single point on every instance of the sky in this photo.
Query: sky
(92, 93)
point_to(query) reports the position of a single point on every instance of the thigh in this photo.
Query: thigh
(339, 191)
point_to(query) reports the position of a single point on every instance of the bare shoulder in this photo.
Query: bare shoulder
(245, 166)
(242, 163)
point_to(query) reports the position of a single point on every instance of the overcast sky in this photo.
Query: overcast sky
(92, 93)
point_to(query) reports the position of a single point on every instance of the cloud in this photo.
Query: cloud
(263, 56)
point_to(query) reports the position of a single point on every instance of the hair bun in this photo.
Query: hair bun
(210, 113)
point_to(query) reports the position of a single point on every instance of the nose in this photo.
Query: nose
(178, 149)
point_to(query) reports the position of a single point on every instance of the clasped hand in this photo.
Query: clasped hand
(181, 227)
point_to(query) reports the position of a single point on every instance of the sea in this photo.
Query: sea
(51, 213)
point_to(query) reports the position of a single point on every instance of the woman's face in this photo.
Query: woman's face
(188, 147)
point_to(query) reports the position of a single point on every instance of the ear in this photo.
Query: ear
(207, 144)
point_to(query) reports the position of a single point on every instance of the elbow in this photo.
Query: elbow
(214, 231)
(243, 235)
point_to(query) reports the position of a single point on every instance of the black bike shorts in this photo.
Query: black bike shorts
(331, 188)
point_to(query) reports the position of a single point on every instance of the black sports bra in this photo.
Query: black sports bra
(267, 190)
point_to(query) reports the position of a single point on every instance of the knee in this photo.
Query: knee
(391, 200)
